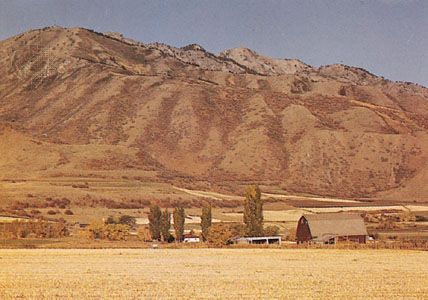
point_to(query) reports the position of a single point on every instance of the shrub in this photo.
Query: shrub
(220, 233)
(68, 212)
(110, 220)
(421, 218)
(95, 230)
(127, 220)
(35, 229)
(112, 232)
(144, 234)
(271, 231)
(19, 205)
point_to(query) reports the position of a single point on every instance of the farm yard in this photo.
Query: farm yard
(213, 273)
(89, 202)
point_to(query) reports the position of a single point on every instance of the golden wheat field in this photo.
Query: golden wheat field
(213, 274)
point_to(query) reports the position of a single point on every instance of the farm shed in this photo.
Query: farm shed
(256, 240)
(190, 238)
(329, 228)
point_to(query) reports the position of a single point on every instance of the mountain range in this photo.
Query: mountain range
(74, 101)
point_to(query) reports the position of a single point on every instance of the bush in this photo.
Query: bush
(35, 212)
(144, 234)
(271, 231)
(421, 218)
(68, 212)
(110, 220)
(60, 203)
(35, 229)
(220, 233)
(127, 220)
(112, 232)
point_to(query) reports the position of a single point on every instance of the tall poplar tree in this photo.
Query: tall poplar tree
(179, 218)
(253, 211)
(206, 221)
(165, 225)
(154, 222)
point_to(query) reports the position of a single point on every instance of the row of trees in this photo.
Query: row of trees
(160, 223)
(253, 225)
(33, 229)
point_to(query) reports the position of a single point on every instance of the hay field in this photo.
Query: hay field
(213, 274)
(410, 208)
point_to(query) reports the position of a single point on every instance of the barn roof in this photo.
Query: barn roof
(335, 224)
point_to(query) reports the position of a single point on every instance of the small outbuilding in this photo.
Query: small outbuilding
(256, 240)
(330, 228)
(190, 238)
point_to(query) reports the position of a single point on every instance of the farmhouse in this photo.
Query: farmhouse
(329, 228)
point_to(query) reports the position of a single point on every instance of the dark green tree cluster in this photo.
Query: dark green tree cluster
(253, 211)
(179, 217)
(206, 221)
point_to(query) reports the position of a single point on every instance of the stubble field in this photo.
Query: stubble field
(213, 274)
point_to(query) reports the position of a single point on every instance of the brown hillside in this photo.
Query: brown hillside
(74, 101)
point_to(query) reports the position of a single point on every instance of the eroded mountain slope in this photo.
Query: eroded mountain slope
(232, 118)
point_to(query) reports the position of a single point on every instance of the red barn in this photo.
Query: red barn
(329, 228)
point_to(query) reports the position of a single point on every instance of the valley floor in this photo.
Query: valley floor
(213, 274)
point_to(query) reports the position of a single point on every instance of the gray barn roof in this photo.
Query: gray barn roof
(335, 224)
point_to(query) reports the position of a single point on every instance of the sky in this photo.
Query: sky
(387, 37)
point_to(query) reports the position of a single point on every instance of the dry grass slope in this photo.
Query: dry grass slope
(170, 114)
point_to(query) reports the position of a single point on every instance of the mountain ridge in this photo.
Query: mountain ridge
(227, 119)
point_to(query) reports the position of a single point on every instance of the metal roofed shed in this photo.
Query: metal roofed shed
(256, 240)
(329, 228)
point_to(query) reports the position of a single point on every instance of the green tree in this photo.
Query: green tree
(154, 222)
(165, 225)
(206, 221)
(253, 211)
(179, 218)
